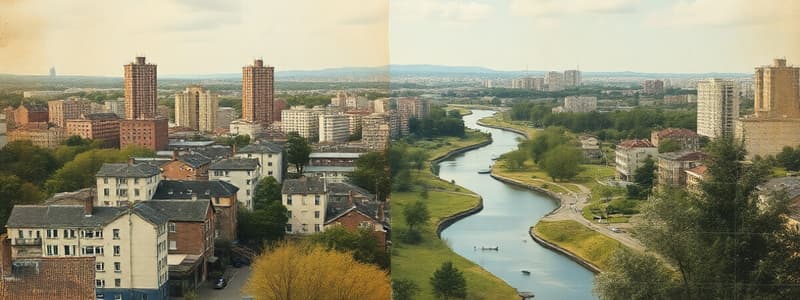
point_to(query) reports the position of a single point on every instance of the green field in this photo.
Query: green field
(581, 241)
(502, 119)
(418, 262)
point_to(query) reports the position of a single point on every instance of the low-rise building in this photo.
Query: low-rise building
(630, 155)
(126, 183)
(356, 208)
(672, 167)
(97, 126)
(332, 166)
(580, 104)
(695, 177)
(221, 194)
(788, 187)
(269, 155)
(149, 133)
(244, 173)
(129, 244)
(306, 200)
(590, 147)
(244, 127)
(59, 111)
(186, 166)
(30, 113)
(39, 134)
(688, 140)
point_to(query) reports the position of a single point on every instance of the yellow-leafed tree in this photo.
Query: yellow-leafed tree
(305, 271)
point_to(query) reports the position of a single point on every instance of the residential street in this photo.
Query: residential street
(237, 279)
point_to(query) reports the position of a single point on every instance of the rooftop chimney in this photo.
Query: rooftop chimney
(5, 256)
(140, 60)
(174, 154)
(130, 161)
(258, 63)
(380, 212)
(780, 62)
(350, 198)
(88, 206)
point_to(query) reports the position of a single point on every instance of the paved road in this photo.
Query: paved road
(233, 291)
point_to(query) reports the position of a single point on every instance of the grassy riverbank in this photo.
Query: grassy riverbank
(503, 120)
(585, 243)
(417, 262)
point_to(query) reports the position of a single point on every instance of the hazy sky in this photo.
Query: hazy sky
(219, 36)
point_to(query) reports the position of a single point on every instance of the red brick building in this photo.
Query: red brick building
(149, 133)
(190, 240)
(187, 166)
(688, 140)
(355, 208)
(98, 126)
(141, 96)
(258, 92)
(221, 194)
(277, 107)
(30, 113)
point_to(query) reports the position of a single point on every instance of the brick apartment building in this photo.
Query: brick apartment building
(149, 133)
(97, 126)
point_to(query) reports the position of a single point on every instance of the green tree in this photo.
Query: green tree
(404, 289)
(79, 173)
(789, 158)
(361, 243)
(268, 190)
(668, 145)
(297, 151)
(515, 160)
(645, 278)
(448, 282)
(644, 178)
(372, 173)
(267, 224)
(543, 142)
(28, 162)
(418, 158)
(416, 214)
(13, 191)
(562, 162)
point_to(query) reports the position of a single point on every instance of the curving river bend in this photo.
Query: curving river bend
(504, 222)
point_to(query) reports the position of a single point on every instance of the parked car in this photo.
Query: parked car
(221, 283)
(238, 262)
(615, 229)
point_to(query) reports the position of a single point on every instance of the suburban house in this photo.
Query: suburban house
(221, 194)
(269, 155)
(129, 244)
(355, 208)
(126, 183)
(630, 155)
(671, 166)
(306, 200)
(244, 173)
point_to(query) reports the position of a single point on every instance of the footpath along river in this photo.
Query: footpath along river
(508, 213)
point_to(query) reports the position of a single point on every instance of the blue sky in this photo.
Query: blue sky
(88, 37)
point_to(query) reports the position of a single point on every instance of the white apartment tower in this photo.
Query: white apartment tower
(196, 108)
(334, 128)
(717, 107)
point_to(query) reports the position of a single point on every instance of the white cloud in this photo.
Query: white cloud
(726, 13)
(550, 8)
(451, 11)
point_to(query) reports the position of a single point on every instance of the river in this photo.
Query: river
(504, 222)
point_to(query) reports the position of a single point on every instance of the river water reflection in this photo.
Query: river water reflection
(508, 213)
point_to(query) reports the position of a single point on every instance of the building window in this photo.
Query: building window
(269, 173)
(116, 251)
(316, 199)
(248, 182)
(52, 250)
(365, 224)
(288, 227)
(100, 283)
(21, 234)
(305, 227)
(248, 192)
(316, 228)
(117, 267)
(269, 164)
(136, 192)
(136, 181)
(316, 215)
(173, 245)
(289, 200)
(69, 233)
(105, 180)
(171, 227)
(117, 282)
(116, 234)
(100, 267)
(105, 192)
(66, 250)
(289, 214)
(52, 233)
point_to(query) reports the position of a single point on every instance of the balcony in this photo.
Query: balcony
(28, 242)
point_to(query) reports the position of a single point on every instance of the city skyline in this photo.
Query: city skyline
(652, 37)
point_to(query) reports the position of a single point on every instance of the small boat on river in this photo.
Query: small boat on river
(490, 248)
(526, 272)
(484, 171)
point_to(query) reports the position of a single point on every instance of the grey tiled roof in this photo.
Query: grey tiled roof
(303, 185)
(262, 147)
(214, 152)
(101, 116)
(683, 155)
(124, 170)
(180, 210)
(235, 164)
(42, 216)
(345, 188)
(183, 189)
(194, 159)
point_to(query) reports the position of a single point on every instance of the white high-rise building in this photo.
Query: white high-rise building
(572, 78)
(304, 121)
(334, 128)
(196, 108)
(717, 107)
(554, 81)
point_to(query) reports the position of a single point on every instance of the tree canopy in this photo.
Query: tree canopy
(265, 224)
(448, 282)
(297, 151)
(362, 244)
(297, 271)
(268, 190)
(562, 162)
(372, 173)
